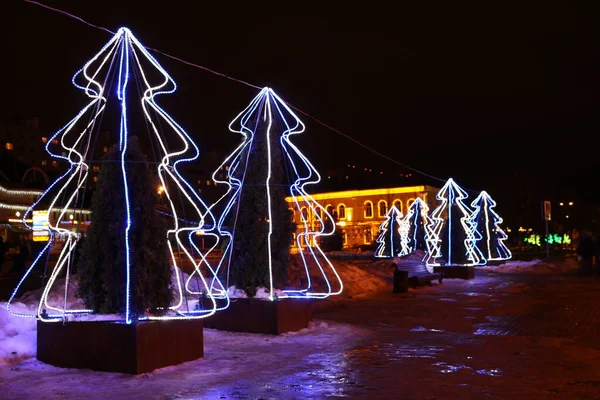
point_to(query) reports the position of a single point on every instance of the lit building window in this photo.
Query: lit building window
(368, 209)
(342, 211)
(96, 168)
(292, 215)
(54, 163)
(207, 182)
(398, 204)
(95, 179)
(44, 139)
(409, 202)
(105, 149)
(55, 141)
(44, 162)
(293, 240)
(382, 205)
(8, 146)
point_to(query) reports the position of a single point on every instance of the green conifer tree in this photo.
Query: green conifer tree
(250, 253)
(335, 241)
(102, 264)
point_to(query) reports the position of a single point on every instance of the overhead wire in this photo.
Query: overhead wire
(318, 121)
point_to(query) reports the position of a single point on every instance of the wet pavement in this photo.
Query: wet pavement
(498, 336)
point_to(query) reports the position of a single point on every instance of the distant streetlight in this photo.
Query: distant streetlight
(71, 216)
(566, 216)
(18, 214)
(561, 204)
(570, 203)
(161, 189)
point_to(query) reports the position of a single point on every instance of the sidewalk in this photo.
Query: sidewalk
(499, 336)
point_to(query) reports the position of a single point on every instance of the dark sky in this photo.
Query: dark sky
(501, 97)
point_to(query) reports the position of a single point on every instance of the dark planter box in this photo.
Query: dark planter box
(263, 316)
(458, 272)
(118, 347)
(400, 281)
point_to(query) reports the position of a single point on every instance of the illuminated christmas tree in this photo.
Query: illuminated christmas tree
(453, 239)
(393, 236)
(132, 258)
(418, 225)
(264, 169)
(487, 225)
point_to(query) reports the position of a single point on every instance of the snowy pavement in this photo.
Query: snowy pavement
(499, 336)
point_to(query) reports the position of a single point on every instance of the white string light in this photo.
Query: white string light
(451, 195)
(489, 228)
(273, 108)
(126, 51)
(392, 229)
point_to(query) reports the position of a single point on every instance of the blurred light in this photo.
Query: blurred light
(570, 203)
(566, 216)
(71, 216)
(18, 214)
(561, 204)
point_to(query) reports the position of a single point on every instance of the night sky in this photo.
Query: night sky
(502, 98)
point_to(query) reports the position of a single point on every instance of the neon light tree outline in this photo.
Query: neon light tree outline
(489, 228)
(393, 235)
(269, 108)
(128, 53)
(442, 247)
(419, 222)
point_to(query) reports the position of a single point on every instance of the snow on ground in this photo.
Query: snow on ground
(533, 267)
(17, 335)
(360, 278)
(229, 357)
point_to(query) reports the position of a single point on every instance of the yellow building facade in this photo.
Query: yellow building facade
(359, 213)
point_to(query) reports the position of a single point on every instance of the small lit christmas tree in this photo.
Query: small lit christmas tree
(487, 225)
(418, 225)
(453, 239)
(392, 238)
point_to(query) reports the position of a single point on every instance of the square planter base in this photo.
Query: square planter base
(118, 347)
(263, 316)
(458, 272)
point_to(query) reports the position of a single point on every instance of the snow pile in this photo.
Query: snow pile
(414, 257)
(17, 335)
(261, 293)
(360, 278)
(540, 267)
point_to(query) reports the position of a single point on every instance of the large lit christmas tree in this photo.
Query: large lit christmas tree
(453, 239)
(487, 225)
(264, 169)
(131, 262)
(393, 236)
